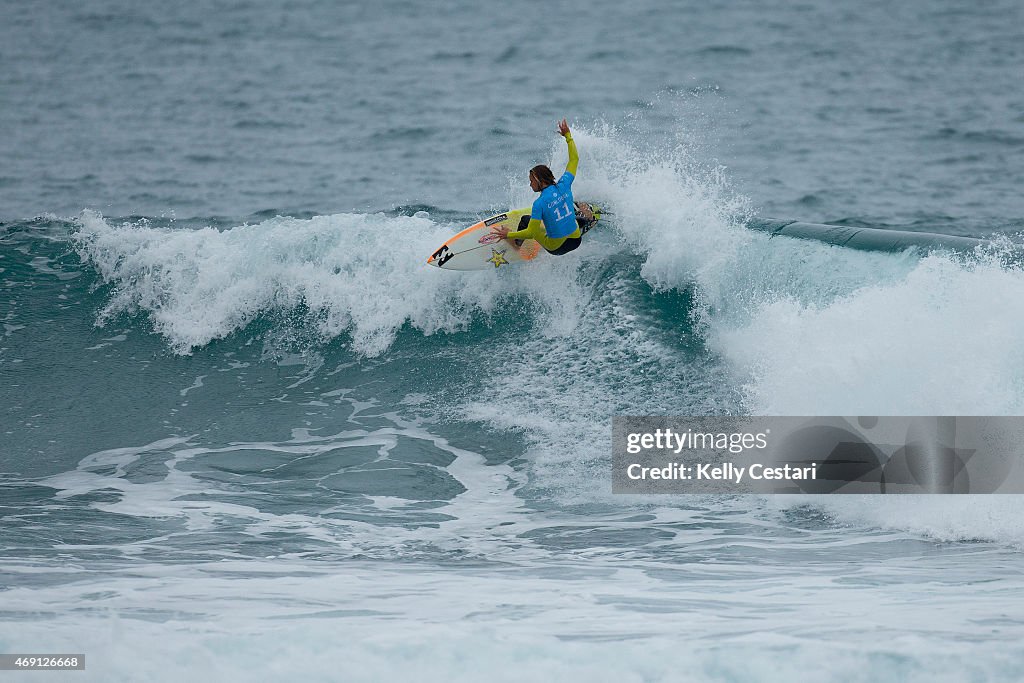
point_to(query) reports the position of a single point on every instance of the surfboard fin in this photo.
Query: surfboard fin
(523, 222)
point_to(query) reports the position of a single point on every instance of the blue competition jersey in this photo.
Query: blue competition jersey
(554, 206)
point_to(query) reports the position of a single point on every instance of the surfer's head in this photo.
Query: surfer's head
(540, 177)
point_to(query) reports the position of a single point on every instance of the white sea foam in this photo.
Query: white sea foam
(359, 275)
(277, 620)
(942, 340)
(991, 518)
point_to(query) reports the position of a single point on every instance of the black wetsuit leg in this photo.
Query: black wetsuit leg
(568, 245)
(523, 222)
(571, 243)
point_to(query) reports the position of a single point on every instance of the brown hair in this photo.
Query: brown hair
(543, 175)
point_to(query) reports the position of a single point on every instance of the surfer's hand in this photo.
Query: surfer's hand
(501, 231)
(563, 128)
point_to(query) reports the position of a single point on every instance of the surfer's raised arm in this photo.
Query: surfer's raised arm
(574, 156)
(560, 209)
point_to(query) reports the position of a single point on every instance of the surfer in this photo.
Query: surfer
(556, 221)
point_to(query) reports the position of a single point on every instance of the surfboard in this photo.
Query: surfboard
(478, 248)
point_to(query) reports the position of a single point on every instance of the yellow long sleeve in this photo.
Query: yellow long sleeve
(574, 156)
(533, 231)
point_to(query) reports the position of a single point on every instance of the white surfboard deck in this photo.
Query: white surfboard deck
(477, 248)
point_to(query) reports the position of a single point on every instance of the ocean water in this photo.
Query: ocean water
(247, 434)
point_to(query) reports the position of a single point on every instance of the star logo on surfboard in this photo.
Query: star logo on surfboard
(497, 257)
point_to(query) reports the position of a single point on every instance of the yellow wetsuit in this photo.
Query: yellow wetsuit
(536, 229)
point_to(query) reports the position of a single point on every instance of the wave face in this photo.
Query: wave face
(298, 408)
